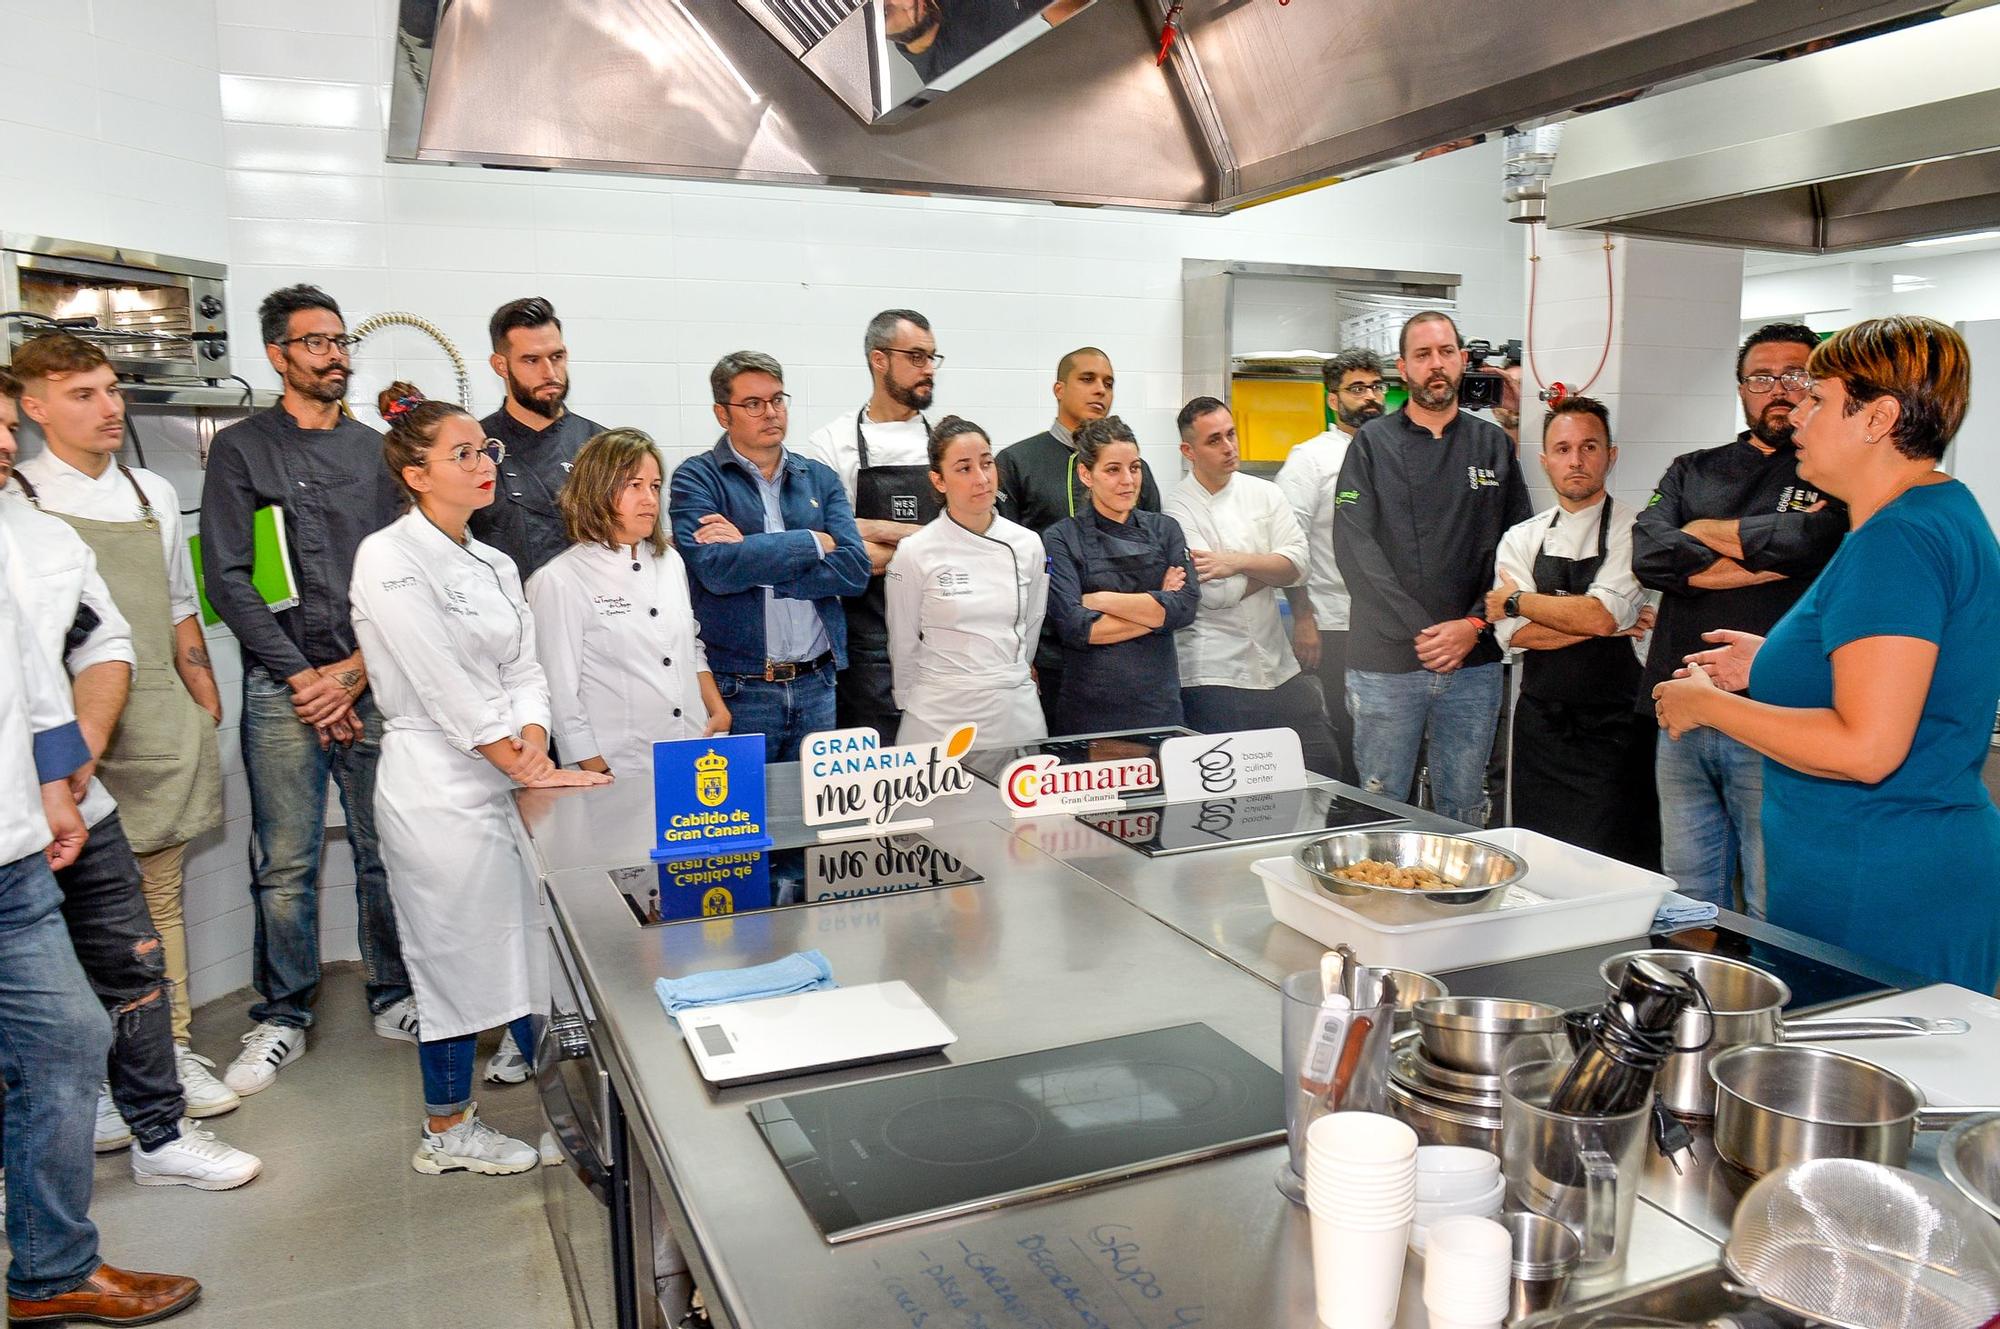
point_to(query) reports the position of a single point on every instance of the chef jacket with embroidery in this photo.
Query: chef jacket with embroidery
(965, 609)
(53, 576)
(1310, 478)
(60, 487)
(615, 633)
(39, 738)
(1573, 535)
(1237, 639)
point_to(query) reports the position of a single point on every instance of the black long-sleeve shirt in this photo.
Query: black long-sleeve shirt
(1038, 484)
(1419, 520)
(1762, 492)
(335, 491)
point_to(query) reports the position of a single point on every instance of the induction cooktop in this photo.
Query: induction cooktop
(1180, 828)
(892, 1153)
(743, 881)
(989, 763)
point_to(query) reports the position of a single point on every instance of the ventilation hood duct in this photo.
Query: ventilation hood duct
(1258, 98)
(1877, 142)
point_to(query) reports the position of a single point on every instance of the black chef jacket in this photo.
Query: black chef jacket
(1038, 484)
(1419, 520)
(967, 27)
(1764, 494)
(1135, 683)
(523, 520)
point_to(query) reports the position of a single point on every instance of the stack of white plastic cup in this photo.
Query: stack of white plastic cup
(1361, 1190)
(1468, 1273)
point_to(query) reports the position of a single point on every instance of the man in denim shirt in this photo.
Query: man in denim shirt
(307, 714)
(771, 546)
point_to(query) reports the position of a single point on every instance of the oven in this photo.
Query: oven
(156, 317)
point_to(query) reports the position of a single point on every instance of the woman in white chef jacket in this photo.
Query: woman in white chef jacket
(965, 601)
(613, 624)
(450, 652)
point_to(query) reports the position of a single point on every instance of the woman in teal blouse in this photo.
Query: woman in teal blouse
(1873, 699)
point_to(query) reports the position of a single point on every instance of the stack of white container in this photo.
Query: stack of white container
(1361, 1190)
(1468, 1273)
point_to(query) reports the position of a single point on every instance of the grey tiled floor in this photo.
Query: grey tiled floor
(340, 1232)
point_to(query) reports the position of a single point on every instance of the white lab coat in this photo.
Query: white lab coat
(965, 614)
(450, 650)
(615, 633)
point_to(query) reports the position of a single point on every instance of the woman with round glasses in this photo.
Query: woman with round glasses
(614, 627)
(450, 651)
(1872, 700)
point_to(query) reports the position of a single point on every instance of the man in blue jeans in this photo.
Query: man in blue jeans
(1424, 495)
(54, 1034)
(771, 545)
(307, 714)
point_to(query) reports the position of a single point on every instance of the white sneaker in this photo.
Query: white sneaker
(112, 1132)
(507, 1065)
(473, 1146)
(399, 1020)
(551, 1152)
(266, 1049)
(206, 1096)
(196, 1159)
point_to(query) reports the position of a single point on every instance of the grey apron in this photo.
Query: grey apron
(162, 764)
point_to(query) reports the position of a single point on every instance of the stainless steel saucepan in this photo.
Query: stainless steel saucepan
(1776, 1105)
(1748, 1005)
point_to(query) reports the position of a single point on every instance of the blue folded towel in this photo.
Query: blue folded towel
(1679, 911)
(802, 971)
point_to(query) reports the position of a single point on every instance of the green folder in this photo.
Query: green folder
(270, 567)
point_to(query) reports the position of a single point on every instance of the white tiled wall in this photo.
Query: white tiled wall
(259, 143)
(1831, 293)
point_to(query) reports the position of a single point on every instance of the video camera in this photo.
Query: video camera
(1483, 385)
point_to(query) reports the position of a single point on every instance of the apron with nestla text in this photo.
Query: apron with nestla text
(162, 764)
(881, 493)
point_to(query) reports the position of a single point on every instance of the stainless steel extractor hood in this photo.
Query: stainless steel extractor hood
(1890, 139)
(1259, 97)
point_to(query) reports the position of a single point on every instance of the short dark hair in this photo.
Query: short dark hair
(1922, 363)
(1067, 365)
(1355, 359)
(530, 311)
(10, 387)
(274, 316)
(1097, 435)
(1425, 316)
(1193, 411)
(1789, 334)
(55, 353)
(723, 377)
(882, 328)
(1578, 406)
(949, 430)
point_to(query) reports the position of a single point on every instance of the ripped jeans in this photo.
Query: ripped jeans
(123, 958)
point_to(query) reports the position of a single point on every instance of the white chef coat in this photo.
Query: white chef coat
(1237, 639)
(615, 633)
(60, 487)
(53, 572)
(1574, 535)
(890, 443)
(965, 615)
(33, 701)
(1310, 479)
(450, 649)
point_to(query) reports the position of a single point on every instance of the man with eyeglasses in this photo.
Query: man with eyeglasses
(1355, 391)
(1731, 539)
(541, 434)
(771, 547)
(307, 714)
(881, 451)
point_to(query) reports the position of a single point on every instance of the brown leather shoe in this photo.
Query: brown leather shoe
(111, 1296)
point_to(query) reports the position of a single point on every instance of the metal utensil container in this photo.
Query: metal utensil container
(1479, 873)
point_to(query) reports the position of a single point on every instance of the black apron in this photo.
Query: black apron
(1582, 760)
(1130, 685)
(865, 692)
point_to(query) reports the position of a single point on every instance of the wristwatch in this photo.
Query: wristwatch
(1513, 605)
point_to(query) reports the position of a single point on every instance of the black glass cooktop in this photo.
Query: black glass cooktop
(741, 881)
(989, 763)
(1180, 828)
(886, 1154)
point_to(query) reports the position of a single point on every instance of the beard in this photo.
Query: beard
(327, 386)
(525, 398)
(1771, 432)
(924, 20)
(1359, 416)
(917, 396)
(1434, 394)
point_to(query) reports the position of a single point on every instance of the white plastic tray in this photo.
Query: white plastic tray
(1582, 899)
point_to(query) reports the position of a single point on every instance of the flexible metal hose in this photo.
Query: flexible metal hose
(400, 318)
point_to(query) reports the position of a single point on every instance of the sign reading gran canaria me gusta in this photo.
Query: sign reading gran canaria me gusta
(708, 793)
(850, 780)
